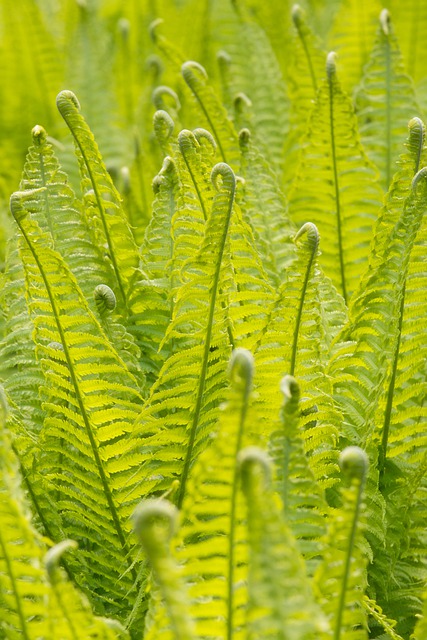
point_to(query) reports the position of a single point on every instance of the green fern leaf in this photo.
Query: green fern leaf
(332, 178)
(381, 114)
(299, 328)
(212, 541)
(341, 577)
(265, 209)
(92, 402)
(306, 70)
(183, 402)
(155, 524)
(281, 602)
(101, 200)
(304, 505)
(352, 36)
(31, 605)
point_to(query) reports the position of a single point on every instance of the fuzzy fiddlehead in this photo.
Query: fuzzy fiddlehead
(163, 126)
(155, 524)
(105, 299)
(196, 78)
(416, 141)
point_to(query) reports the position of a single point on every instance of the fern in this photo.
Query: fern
(88, 421)
(281, 603)
(164, 319)
(325, 180)
(377, 105)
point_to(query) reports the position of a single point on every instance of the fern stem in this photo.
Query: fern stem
(79, 397)
(297, 19)
(390, 391)
(186, 72)
(313, 240)
(184, 139)
(355, 462)
(74, 632)
(15, 590)
(330, 66)
(234, 493)
(230, 178)
(385, 27)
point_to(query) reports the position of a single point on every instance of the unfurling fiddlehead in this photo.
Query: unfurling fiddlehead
(155, 524)
(104, 298)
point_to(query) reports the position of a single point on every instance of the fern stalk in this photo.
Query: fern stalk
(330, 71)
(354, 464)
(241, 374)
(229, 183)
(313, 244)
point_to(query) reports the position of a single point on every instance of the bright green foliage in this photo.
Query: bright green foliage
(330, 156)
(381, 113)
(221, 253)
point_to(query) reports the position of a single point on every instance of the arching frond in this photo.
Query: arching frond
(101, 200)
(91, 403)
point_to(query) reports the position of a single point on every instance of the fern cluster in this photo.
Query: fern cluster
(212, 324)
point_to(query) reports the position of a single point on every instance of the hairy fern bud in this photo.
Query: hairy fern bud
(354, 463)
(54, 555)
(291, 394)
(39, 135)
(254, 463)
(155, 522)
(242, 369)
(104, 298)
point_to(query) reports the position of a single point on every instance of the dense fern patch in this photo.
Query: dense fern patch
(213, 320)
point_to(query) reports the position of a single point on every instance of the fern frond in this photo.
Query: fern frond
(61, 214)
(334, 175)
(410, 22)
(92, 402)
(359, 368)
(155, 523)
(262, 81)
(197, 80)
(183, 403)
(265, 209)
(304, 504)
(151, 300)
(294, 340)
(212, 541)
(88, 61)
(101, 199)
(31, 605)
(281, 602)
(381, 114)
(306, 70)
(352, 37)
(341, 576)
